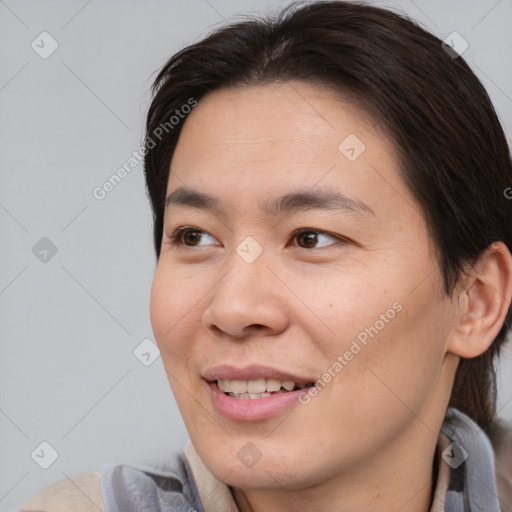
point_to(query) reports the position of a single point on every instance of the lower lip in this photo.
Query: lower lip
(247, 409)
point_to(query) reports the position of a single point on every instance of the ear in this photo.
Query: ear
(484, 296)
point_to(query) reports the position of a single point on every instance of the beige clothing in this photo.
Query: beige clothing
(83, 494)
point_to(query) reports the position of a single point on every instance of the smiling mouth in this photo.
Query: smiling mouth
(260, 388)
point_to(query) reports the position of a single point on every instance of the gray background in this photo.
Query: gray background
(70, 324)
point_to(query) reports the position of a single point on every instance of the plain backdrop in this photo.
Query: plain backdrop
(76, 271)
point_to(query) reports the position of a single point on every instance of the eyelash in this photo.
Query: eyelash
(175, 239)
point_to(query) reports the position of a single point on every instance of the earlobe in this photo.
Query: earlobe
(484, 300)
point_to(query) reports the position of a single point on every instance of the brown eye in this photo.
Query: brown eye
(191, 237)
(308, 239)
(188, 237)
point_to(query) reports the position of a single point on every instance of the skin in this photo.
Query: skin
(367, 441)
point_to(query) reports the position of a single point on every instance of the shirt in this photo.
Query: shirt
(466, 478)
(465, 481)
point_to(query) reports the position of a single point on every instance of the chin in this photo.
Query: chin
(266, 474)
(252, 481)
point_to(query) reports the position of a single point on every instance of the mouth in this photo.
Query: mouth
(255, 392)
(242, 404)
(258, 388)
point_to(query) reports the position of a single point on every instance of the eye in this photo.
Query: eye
(188, 236)
(306, 238)
(310, 237)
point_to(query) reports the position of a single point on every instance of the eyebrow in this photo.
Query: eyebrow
(299, 201)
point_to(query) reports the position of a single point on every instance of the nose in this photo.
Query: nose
(248, 300)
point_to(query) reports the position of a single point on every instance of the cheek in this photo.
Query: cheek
(383, 330)
(403, 362)
(173, 312)
(352, 306)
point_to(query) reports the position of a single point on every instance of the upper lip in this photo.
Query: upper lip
(252, 372)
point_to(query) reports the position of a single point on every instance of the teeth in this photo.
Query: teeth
(224, 385)
(273, 385)
(288, 384)
(256, 387)
(239, 386)
(251, 396)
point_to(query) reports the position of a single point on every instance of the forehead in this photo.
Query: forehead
(294, 116)
(269, 138)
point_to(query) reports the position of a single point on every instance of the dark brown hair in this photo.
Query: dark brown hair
(453, 152)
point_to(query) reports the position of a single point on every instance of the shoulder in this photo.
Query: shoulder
(81, 493)
(500, 435)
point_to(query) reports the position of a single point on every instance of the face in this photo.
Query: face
(309, 262)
